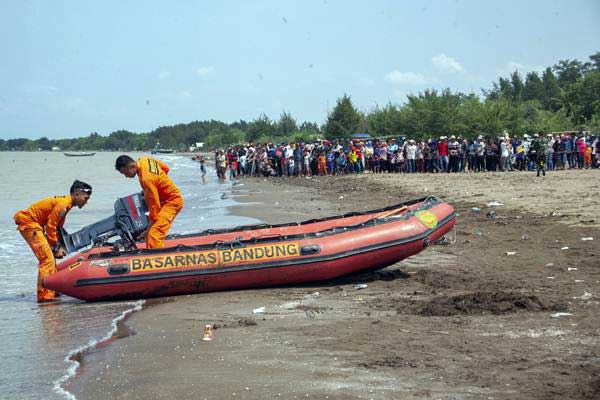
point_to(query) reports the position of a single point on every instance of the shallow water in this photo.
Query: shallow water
(34, 340)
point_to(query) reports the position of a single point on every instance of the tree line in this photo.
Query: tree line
(565, 96)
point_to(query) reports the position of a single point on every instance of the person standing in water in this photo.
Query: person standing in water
(202, 161)
(40, 227)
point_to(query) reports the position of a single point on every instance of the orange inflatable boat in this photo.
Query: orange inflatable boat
(257, 255)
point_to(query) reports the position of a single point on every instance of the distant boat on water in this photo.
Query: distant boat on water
(79, 154)
(162, 151)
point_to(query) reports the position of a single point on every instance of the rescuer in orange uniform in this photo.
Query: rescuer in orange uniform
(40, 227)
(163, 198)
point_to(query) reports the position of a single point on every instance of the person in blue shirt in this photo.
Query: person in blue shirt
(298, 162)
(330, 162)
(570, 149)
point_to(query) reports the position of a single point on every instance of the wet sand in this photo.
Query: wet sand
(462, 320)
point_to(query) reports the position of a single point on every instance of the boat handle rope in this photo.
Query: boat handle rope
(237, 242)
(255, 239)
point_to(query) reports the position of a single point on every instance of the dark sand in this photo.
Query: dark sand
(458, 321)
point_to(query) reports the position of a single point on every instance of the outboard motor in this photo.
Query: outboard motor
(128, 222)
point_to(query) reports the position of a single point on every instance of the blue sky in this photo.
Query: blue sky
(72, 67)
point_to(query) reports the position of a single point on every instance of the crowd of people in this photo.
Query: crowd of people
(540, 152)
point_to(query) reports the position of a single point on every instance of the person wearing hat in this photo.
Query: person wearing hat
(454, 153)
(40, 227)
(539, 147)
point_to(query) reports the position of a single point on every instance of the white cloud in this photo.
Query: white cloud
(184, 94)
(406, 78)
(163, 75)
(523, 69)
(203, 71)
(447, 64)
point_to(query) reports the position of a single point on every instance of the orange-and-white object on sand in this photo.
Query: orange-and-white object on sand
(208, 332)
(257, 255)
(39, 225)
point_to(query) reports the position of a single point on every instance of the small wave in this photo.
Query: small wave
(9, 246)
(74, 355)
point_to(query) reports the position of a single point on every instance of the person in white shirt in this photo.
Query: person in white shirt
(504, 155)
(411, 156)
(550, 152)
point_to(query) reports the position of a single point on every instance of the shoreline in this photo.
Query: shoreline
(329, 339)
(76, 356)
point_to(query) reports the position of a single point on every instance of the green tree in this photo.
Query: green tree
(469, 120)
(534, 87)
(506, 89)
(262, 126)
(311, 128)
(552, 93)
(286, 124)
(432, 113)
(517, 86)
(383, 121)
(582, 99)
(232, 136)
(344, 120)
(44, 143)
(595, 61)
(499, 115)
(569, 71)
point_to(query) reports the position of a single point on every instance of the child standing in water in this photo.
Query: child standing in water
(202, 161)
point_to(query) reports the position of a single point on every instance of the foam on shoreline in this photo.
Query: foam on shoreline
(74, 356)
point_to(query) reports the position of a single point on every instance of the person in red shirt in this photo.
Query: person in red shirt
(232, 161)
(443, 150)
(359, 159)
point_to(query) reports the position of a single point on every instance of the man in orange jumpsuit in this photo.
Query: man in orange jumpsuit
(163, 198)
(40, 227)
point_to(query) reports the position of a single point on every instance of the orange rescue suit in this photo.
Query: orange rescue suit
(163, 198)
(39, 225)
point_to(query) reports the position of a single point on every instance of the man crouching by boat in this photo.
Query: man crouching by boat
(40, 227)
(163, 198)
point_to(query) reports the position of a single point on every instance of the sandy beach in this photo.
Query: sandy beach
(477, 317)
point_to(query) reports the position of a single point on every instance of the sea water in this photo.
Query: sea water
(36, 340)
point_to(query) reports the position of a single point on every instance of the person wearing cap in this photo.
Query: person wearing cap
(40, 227)
(163, 198)
(539, 147)
(411, 156)
(479, 154)
(453, 151)
(520, 157)
(550, 152)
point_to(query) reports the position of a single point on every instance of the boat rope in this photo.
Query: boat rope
(449, 238)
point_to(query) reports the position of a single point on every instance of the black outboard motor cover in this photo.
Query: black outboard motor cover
(128, 222)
